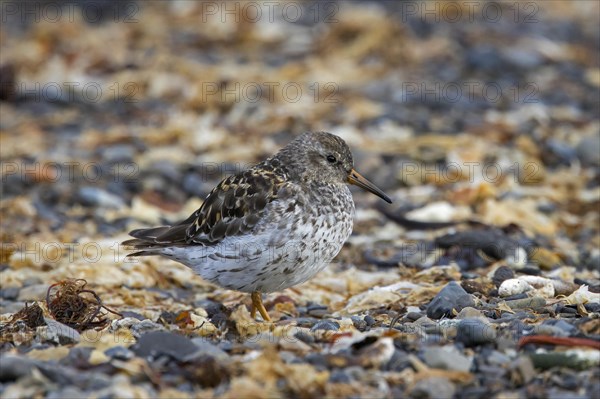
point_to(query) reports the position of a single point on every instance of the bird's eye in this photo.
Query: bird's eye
(331, 159)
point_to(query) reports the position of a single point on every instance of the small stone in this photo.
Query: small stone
(451, 297)
(13, 367)
(433, 388)
(524, 366)
(304, 337)
(120, 353)
(588, 150)
(473, 332)
(513, 286)
(502, 273)
(370, 320)
(469, 313)
(414, 316)
(10, 293)
(359, 323)
(144, 327)
(35, 292)
(206, 348)
(97, 197)
(66, 392)
(340, 376)
(447, 358)
(328, 325)
(157, 343)
(58, 332)
(527, 303)
(316, 310)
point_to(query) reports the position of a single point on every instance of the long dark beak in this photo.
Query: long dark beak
(358, 180)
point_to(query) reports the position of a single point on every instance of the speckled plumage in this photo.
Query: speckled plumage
(272, 226)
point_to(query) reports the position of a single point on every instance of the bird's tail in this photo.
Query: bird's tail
(152, 241)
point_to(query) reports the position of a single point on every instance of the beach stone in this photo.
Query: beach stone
(97, 197)
(119, 352)
(502, 273)
(452, 296)
(447, 358)
(588, 150)
(157, 343)
(58, 332)
(328, 325)
(15, 367)
(433, 388)
(473, 332)
(206, 348)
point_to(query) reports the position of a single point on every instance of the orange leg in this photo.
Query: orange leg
(258, 304)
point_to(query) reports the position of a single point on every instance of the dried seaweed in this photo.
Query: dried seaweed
(71, 305)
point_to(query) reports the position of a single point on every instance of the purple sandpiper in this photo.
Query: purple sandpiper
(270, 227)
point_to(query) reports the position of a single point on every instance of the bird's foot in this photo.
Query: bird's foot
(257, 304)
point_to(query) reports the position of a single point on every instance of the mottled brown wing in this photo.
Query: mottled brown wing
(232, 208)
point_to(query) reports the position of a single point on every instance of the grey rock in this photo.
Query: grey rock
(157, 343)
(36, 292)
(9, 293)
(469, 313)
(120, 353)
(588, 150)
(473, 332)
(527, 303)
(524, 366)
(502, 273)
(498, 358)
(359, 323)
(329, 325)
(145, 326)
(57, 332)
(10, 307)
(452, 296)
(118, 153)
(69, 392)
(206, 348)
(447, 358)
(97, 197)
(15, 367)
(433, 388)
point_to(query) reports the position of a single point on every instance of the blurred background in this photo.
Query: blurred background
(111, 105)
(480, 119)
(117, 114)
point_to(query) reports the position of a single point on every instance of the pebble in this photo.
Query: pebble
(359, 323)
(588, 150)
(119, 352)
(145, 326)
(399, 361)
(316, 310)
(470, 312)
(327, 325)
(433, 388)
(10, 293)
(206, 348)
(527, 303)
(35, 292)
(15, 367)
(452, 296)
(156, 343)
(97, 197)
(447, 357)
(59, 333)
(473, 332)
(304, 337)
(502, 273)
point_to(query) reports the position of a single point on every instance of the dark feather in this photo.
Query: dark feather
(234, 207)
